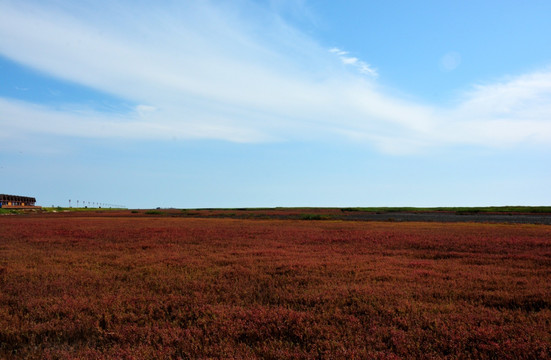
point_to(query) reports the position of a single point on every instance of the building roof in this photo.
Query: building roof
(6, 197)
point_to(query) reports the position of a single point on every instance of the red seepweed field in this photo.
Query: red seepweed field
(161, 287)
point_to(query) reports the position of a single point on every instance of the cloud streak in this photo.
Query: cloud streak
(203, 70)
(363, 67)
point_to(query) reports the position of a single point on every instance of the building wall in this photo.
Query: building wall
(15, 200)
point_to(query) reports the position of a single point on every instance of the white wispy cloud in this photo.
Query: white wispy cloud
(201, 70)
(515, 110)
(362, 66)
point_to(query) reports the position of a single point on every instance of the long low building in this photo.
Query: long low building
(15, 201)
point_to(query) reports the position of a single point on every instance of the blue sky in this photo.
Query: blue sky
(276, 103)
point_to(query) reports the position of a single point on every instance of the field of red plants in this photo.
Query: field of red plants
(166, 287)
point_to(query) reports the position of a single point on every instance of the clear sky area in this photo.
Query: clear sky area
(276, 103)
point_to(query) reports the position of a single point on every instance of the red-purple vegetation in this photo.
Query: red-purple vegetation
(159, 287)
